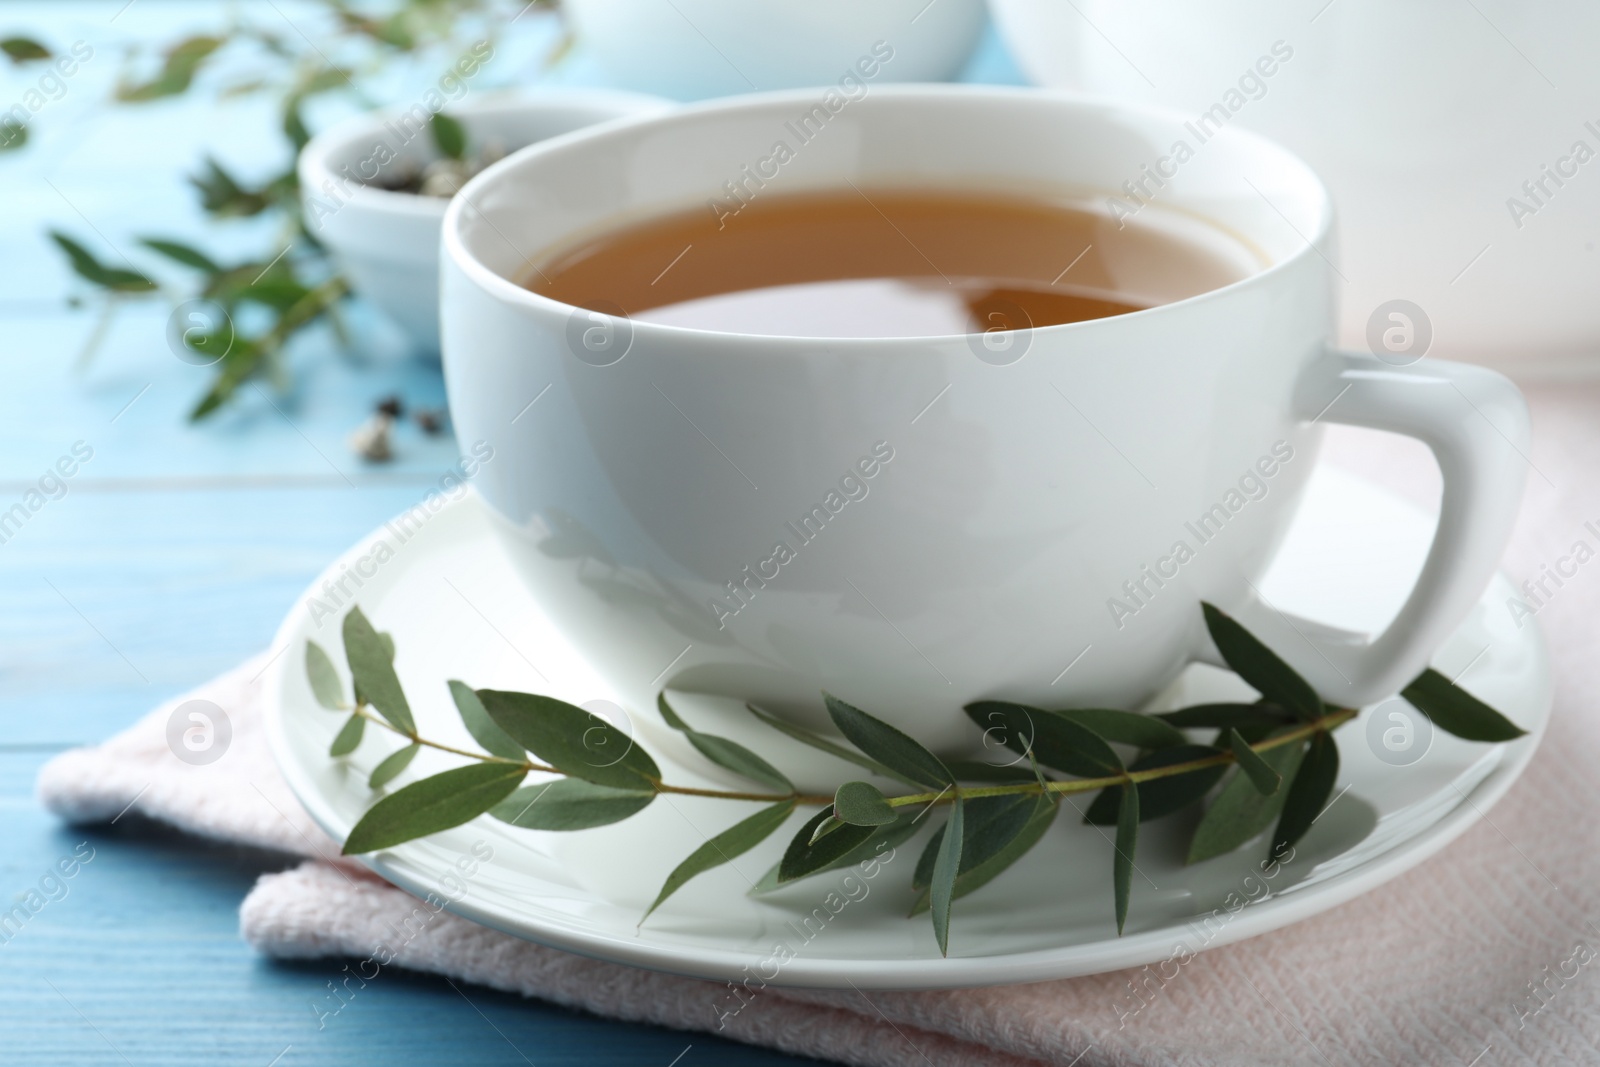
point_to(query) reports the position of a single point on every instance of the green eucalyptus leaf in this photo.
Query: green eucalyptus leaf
(494, 740)
(178, 252)
(1126, 727)
(1456, 711)
(13, 135)
(822, 744)
(222, 195)
(870, 848)
(449, 136)
(728, 845)
(1240, 812)
(1160, 796)
(805, 856)
(91, 270)
(729, 755)
(1308, 794)
(989, 851)
(989, 823)
(1225, 716)
(942, 884)
(183, 61)
(372, 667)
(1055, 740)
(23, 49)
(433, 804)
(349, 736)
(324, 678)
(889, 746)
(1260, 667)
(861, 804)
(827, 826)
(571, 740)
(1127, 842)
(1259, 771)
(570, 804)
(391, 766)
(294, 124)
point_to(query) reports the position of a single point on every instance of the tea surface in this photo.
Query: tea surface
(874, 262)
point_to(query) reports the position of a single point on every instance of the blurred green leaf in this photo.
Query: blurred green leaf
(391, 766)
(23, 49)
(13, 135)
(570, 804)
(889, 746)
(182, 63)
(372, 668)
(324, 678)
(91, 270)
(181, 253)
(449, 136)
(433, 804)
(294, 124)
(222, 195)
(1456, 711)
(571, 740)
(726, 846)
(349, 737)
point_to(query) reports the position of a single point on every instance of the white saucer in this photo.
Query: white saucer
(456, 610)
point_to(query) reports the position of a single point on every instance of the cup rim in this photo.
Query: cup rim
(509, 292)
(315, 161)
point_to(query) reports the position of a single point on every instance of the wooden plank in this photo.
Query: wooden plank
(138, 960)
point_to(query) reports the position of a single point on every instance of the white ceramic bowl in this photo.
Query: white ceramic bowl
(387, 243)
(692, 49)
(1425, 118)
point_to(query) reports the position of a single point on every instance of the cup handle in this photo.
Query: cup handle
(1476, 423)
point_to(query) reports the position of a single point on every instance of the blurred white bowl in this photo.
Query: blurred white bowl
(692, 49)
(1424, 117)
(387, 243)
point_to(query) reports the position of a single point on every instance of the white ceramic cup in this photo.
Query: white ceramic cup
(962, 514)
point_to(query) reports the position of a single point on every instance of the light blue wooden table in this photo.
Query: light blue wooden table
(174, 554)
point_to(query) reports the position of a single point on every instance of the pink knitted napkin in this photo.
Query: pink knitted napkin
(1484, 955)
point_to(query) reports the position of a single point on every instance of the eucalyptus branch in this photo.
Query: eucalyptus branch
(365, 712)
(246, 56)
(1140, 767)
